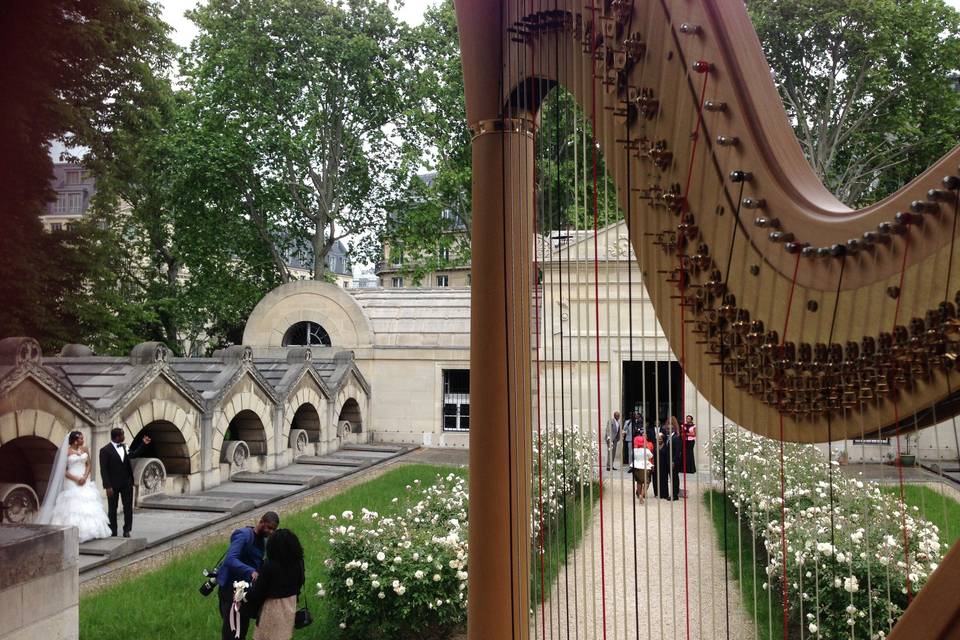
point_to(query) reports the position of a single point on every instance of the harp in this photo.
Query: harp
(804, 320)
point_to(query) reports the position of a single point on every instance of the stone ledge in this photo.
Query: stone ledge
(28, 552)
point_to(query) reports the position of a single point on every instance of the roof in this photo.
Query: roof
(417, 318)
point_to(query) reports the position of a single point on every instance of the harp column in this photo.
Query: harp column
(500, 393)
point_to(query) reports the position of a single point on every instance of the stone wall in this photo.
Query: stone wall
(39, 584)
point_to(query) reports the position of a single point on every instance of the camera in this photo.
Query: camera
(210, 583)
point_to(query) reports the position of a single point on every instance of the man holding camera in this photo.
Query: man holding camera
(241, 562)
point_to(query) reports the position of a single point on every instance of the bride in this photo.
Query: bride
(72, 498)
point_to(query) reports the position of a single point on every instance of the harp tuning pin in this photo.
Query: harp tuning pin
(924, 206)
(765, 223)
(854, 245)
(951, 182)
(728, 141)
(939, 194)
(713, 105)
(905, 218)
(702, 66)
(873, 237)
(738, 175)
(808, 252)
(794, 247)
(891, 227)
(754, 203)
(690, 29)
(781, 236)
(823, 252)
(838, 250)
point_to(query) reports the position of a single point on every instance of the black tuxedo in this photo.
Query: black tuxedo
(117, 474)
(676, 458)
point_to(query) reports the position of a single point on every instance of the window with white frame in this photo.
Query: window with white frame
(60, 206)
(397, 282)
(443, 281)
(56, 226)
(444, 253)
(75, 203)
(456, 400)
(74, 178)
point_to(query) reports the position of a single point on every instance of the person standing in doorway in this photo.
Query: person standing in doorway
(661, 468)
(675, 445)
(689, 431)
(631, 429)
(613, 436)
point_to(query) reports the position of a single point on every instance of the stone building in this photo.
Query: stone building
(73, 189)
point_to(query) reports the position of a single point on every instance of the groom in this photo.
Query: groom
(117, 475)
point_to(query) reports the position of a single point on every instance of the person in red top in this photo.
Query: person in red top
(689, 432)
(642, 464)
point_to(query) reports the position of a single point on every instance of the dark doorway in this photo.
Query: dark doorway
(653, 388)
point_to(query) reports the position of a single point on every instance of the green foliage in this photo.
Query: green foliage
(173, 608)
(401, 575)
(566, 152)
(287, 129)
(77, 69)
(865, 83)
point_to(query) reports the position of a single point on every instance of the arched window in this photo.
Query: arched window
(306, 334)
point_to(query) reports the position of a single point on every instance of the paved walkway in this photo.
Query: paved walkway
(654, 596)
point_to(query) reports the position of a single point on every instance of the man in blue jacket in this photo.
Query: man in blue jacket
(241, 562)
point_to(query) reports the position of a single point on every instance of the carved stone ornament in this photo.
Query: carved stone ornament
(152, 477)
(620, 248)
(241, 453)
(20, 503)
(302, 442)
(20, 351)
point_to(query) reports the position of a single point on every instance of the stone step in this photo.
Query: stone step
(375, 448)
(198, 503)
(112, 547)
(277, 478)
(330, 462)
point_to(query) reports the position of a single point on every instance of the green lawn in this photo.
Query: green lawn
(165, 603)
(579, 514)
(941, 510)
(746, 563)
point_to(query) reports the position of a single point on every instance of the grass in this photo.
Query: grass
(934, 506)
(165, 603)
(742, 556)
(577, 521)
(746, 563)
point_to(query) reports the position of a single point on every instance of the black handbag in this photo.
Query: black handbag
(302, 618)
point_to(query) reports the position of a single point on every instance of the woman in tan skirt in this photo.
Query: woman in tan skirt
(275, 589)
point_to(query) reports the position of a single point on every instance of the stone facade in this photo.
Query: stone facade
(39, 584)
(192, 408)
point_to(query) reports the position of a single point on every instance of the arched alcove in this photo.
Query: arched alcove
(350, 412)
(27, 460)
(307, 418)
(248, 426)
(167, 444)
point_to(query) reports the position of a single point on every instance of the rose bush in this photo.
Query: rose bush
(568, 457)
(403, 576)
(848, 573)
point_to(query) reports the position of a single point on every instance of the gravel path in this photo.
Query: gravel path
(660, 601)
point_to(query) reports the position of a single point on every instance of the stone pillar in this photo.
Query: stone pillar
(39, 583)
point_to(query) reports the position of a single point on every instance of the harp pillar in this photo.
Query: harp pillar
(500, 394)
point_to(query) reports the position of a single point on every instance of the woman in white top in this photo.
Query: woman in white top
(72, 497)
(642, 465)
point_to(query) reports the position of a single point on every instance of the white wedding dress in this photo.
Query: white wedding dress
(80, 506)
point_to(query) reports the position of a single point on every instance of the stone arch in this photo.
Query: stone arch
(254, 418)
(348, 410)
(304, 399)
(29, 439)
(308, 301)
(175, 432)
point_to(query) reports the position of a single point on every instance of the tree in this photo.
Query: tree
(866, 84)
(70, 66)
(289, 125)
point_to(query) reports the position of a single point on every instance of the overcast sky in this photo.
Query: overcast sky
(411, 12)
